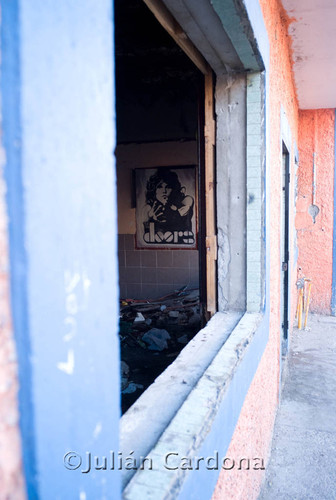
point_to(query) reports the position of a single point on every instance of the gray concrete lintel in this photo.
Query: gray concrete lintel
(221, 31)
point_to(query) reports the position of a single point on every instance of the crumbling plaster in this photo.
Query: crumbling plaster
(231, 191)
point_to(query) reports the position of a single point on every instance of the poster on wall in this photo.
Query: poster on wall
(165, 207)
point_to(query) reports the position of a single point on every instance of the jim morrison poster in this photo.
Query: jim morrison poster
(165, 207)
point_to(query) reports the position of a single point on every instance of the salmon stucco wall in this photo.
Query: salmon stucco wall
(315, 239)
(253, 433)
(11, 477)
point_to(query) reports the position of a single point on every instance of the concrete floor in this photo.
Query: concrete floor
(303, 457)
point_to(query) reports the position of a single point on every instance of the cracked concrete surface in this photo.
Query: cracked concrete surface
(303, 456)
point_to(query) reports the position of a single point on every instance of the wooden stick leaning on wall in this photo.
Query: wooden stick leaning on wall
(307, 302)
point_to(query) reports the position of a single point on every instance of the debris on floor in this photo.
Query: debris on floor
(152, 334)
(124, 374)
(132, 387)
(156, 339)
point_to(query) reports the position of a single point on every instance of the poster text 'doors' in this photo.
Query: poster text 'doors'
(166, 207)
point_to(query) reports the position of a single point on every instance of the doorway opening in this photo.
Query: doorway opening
(284, 247)
(160, 149)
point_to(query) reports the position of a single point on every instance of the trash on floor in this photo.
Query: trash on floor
(156, 339)
(152, 334)
(132, 387)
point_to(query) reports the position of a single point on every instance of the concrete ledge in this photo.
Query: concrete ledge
(187, 431)
(147, 419)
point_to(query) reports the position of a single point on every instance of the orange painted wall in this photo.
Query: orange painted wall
(253, 433)
(315, 240)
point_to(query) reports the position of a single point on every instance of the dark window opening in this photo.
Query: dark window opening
(160, 107)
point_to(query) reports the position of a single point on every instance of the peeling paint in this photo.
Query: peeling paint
(97, 429)
(72, 323)
(69, 365)
(71, 281)
(224, 258)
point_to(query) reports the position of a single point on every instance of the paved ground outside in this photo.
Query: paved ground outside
(303, 457)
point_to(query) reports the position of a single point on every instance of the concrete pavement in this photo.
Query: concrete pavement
(303, 457)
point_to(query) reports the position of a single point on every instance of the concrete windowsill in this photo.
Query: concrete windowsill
(176, 411)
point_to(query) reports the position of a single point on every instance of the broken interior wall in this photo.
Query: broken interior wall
(150, 273)
(11, 476)
(314, 219)
(253, 432)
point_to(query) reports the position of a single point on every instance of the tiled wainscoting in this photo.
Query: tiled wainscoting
(154, 273)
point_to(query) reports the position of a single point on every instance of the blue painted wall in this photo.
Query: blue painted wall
(59, 136)
(10, 104)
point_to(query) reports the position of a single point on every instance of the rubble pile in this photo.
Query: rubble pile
(152, 333)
